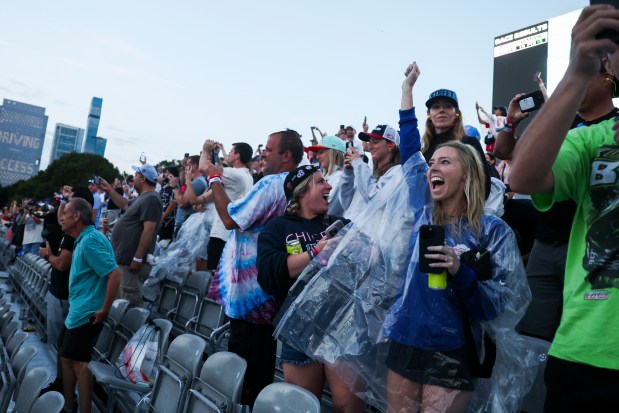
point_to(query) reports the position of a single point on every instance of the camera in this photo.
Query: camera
(531, 102)
(215, 156)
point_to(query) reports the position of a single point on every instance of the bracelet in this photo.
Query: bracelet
(312, 252)
(136, 259)
(215, 178)
(108, 190)
(509, 128)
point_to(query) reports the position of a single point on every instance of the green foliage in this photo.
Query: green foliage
(166, 164)
(73, 169)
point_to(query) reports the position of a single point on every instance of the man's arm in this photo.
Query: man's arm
(506, 138)
(113, 284)
(146, 239)
(171, 207)
(61, 262)
(539, 146)
(119, 200)
(220, 197)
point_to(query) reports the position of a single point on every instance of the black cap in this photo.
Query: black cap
(296, 177)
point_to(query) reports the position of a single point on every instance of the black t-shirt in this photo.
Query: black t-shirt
(59, 280)
(110, 202)
(554, 225)
(272, 265)
(52, 230)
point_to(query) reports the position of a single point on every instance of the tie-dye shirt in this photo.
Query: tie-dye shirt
(235, 283)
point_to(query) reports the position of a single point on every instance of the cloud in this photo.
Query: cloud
(74, 62)
(22, 90)
(117, 44)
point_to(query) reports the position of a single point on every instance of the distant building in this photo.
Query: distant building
(100, 144)
(67, 139)
(93, 143)
(22, 133)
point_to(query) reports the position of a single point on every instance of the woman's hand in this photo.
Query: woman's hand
(350, 155)
(447, 256)
(412, 72)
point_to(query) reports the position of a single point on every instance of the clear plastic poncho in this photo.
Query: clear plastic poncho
(341, 311)
(179, 259)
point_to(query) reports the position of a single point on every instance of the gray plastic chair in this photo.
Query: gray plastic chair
(175, 375)
(50, 402)
(221, 380)
(19, 365)
(286, 398)
(6, 318)
(30, 388)
(130, 322)
(104, 340)
(8, 330)
(14, 344)
(107, 375)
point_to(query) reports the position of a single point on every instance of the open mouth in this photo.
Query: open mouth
(436, 182)
(325, 196)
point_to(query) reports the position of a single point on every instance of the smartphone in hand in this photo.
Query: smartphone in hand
(429, 235)
(531, 102)
(334, 228)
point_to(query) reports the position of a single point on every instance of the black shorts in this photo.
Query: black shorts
(448, 369)
(213, 250)
(78, 342)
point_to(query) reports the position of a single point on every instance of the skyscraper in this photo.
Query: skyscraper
(92, 143)
(22, 133)
(66, 139)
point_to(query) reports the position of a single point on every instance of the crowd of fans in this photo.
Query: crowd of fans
(270, 213)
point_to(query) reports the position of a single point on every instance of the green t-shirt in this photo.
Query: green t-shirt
(586, 171)
(92, 261)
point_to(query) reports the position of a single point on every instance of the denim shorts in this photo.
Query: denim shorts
(295, 357)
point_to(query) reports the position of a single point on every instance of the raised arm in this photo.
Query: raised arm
(410, 141)
(538, 148)
(506, 138)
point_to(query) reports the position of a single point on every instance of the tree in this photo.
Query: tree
(73, 169)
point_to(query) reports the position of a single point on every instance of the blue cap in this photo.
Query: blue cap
(472, 131)
(149, 172)
(442, 94)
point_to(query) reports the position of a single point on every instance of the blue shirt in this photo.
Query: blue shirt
(93, 260)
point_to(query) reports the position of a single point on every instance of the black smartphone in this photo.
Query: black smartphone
(334, 228)
(607, 33)
(215, 156)
(531, 102)
(342, 127)
(186, 154)
(95, 179)
(429, 235)
(365, 120)
(349, 147)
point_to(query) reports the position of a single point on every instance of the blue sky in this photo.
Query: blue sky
(172, 74)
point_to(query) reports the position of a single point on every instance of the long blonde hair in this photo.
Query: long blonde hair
(336, 159)
(474, 187)
(457, 130)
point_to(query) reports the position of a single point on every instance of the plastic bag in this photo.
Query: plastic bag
(179, 259)
(139, 360)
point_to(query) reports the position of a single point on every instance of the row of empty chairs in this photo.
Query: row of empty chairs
(183, 300)
(29, 276)
(18, 383)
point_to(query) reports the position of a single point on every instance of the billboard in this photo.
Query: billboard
(22, 133)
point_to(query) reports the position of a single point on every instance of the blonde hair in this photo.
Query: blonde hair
(457, 130)
(294, 206)
(474, 188)
(336, 161)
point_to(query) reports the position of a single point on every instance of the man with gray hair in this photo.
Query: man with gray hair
(93, 285)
